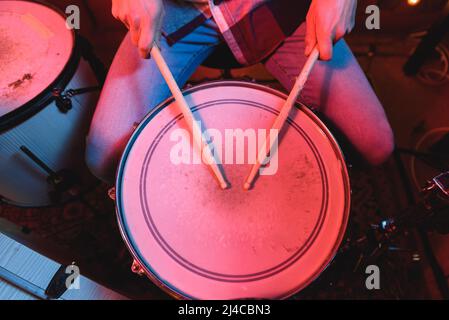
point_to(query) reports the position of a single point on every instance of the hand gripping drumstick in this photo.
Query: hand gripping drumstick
(283, 115)
(195, 130)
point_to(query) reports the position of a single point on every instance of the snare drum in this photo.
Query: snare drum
(47, 98)
(197, 241)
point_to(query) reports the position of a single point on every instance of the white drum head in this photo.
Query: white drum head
(35, 46)
(205, 243)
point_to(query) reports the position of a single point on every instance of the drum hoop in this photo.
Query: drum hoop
(152, 274)
(43, 99)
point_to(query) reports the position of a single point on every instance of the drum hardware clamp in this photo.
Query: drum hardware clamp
(63, 180)
(112, 194)
(63, 98)
(137, 269)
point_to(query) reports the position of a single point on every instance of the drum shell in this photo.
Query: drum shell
(55, 137)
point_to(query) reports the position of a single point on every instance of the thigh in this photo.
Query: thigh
(340, 90)
(134, 86)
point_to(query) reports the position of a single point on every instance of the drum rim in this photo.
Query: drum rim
(152, 274)
(43, 99)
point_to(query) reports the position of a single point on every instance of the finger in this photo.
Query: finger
(325, 40)
(340, 33)
(134, 28)
(157, 31)
(146, 39)
(310, 39)
(121, 13)
(353, 16)
(344, 26)
(114, 10)
(125, 22)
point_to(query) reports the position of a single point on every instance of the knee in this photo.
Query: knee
(102, 157)
(380, 145)
(97, 162)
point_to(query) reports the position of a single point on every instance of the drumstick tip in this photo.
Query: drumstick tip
(247, 186)
(224, 185)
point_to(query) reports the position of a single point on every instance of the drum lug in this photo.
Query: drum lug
(111, 194)
(63, 101)
(137, 269)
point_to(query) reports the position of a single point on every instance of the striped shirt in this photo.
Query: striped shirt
(253, 29)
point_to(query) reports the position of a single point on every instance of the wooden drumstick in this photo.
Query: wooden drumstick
(195, 130)
(283, 115)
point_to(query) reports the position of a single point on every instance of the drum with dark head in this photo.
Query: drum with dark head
(198, 241)
(43, 122)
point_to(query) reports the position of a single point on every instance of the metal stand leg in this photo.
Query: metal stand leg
(426, 47)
